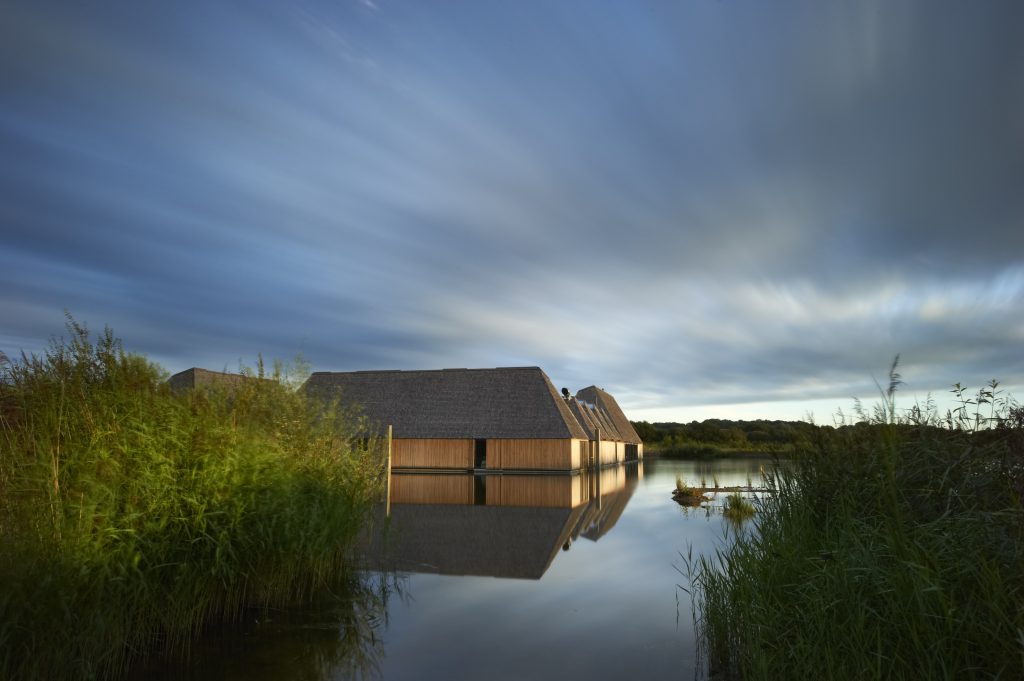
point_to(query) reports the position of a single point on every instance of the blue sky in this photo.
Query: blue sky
(710, 208)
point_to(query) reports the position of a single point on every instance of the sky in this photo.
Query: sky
(710, 208)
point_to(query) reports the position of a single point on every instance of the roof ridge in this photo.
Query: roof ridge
(568, 418)
(426, 371)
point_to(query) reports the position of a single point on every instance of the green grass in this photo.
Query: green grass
(737, 507)
(686, 495)
(893, 550)
(131, 517)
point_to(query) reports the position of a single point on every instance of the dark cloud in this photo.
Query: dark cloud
(689, 203)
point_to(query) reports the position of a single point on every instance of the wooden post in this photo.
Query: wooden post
(387, 502)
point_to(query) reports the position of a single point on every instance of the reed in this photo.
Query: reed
(891, 551)
(686, 495)
(737, 507)
(132, 517)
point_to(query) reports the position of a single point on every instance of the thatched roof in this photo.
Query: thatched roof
(200, 378)
(592, 417)
(607, 403)
(511, 402)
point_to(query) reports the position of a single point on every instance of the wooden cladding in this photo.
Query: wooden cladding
(608, 452)
(433, 453)
(509, 455)
(539, 454)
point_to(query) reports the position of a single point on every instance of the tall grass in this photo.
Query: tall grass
(737, 507)
(131, 517)
(893, 550)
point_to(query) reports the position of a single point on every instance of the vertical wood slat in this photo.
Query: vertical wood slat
(542, 454)
(387, 502)
(607, 452)
(432, 453)
(506, 454)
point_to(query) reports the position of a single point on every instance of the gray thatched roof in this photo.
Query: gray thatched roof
(199, 378)
(607, 403)
(512, 402)
(592, 417)
(602, 418)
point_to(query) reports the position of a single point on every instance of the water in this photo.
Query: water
(507, 577)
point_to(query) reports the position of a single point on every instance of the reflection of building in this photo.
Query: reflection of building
(493, 419)
(497, 525)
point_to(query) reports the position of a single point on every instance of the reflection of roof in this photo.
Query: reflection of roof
(492, 541)
(455, 536)
(606, 402)
(517, 402)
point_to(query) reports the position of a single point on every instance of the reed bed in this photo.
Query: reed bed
(893, 550)
(132, 517)
(738, 508)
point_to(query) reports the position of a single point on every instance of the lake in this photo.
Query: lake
(503, 577)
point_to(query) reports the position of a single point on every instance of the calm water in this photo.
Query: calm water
(504, 577)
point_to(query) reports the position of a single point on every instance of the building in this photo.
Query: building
(632, 447)
(195, 377)
(483, 419)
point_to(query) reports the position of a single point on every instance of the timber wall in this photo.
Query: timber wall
(608, 452)
(507, 455)
(539, 454)
(433, 453)
(502, 454)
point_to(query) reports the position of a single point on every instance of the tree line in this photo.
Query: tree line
(724, 436)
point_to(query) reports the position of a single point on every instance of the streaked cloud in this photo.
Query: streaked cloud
(690, 204)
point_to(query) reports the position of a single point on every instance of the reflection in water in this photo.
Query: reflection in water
(340, 636)
(731, 488)
(607, 609)
(509, 526)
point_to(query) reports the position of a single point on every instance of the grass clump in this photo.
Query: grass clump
(893, 550)
(132, 517)
(737, 507)
(686, 495)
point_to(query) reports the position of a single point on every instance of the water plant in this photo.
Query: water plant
(686, 495)
(891, 551)
(132, 517)
(737, 507)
